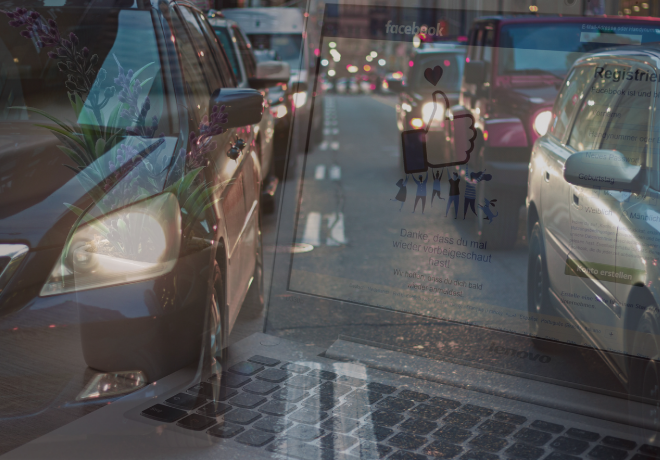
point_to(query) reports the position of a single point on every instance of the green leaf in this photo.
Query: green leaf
(63, 125)
(142, 83)
(100, 147)
(139, 71)
(112, 119)
(71, 135)
(72, 155)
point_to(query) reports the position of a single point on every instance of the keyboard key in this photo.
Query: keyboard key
(214, 392)
(452, 434)
(337, 441)
(304, 382)
(385, 418)
(607, 453)
(364, 397)
(308, 415)
(418, 426)
(477, 410)
(274, 375)
(381, 388)
(427, 412)
(524, 452)
(230, 380)
(272, 424)
(488, 442)
(352, 410)
(185, 401)
(196, 422)
(534, 437)
(321, 374)
(500, 429)
(293, 395)
(407, 441)
(225, 430)
(619, 443)
(163, 413)
(583, 435)
(246, 368)
(370, 450)
(510, 418)
(441, 449)
(647, 449)
(395, 404)
(414, 395)
(444, 402)
(242, 416)
(304, 432)
(547, 426)
(278, 408)
(569, 446)
(320, 402)
(341, 425)
(297, 368)
(247, 400)
(352, 381)
(260, 388)
(561, 456)
(405, 455)
(461, 420)
(333, 389)
(373, 432)
(270, 362)
(255, 438)
(476, 454)
(214, 409)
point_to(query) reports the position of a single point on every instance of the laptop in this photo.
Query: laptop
(393, 328)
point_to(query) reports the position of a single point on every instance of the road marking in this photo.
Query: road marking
(336, 226)
(335, 172)
(312, 233)
(324, 145)
(334, 145)
(319, 173)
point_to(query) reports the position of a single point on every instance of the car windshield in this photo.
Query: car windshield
(287, 46)
(226, 41)
(561, 45)
(452, 63)
(100, 67)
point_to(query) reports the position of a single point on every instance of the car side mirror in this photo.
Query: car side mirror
(243, 106)
(395, 85)
(603, 169)
(475, 72)
(270, 73)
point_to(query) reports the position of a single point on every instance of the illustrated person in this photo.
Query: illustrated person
(421, 191)
(437, 175)
(470, 195)
(454, 193)
(403, 191)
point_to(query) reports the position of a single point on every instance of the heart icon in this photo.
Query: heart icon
(433, 75)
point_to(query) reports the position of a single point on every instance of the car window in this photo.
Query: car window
(219, 52)
(225, 40)
(209, 66)
(246, 53)
(569, 99)
(595, 106)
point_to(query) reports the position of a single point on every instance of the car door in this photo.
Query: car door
(202, 77)
(595, 213)
(552, 153)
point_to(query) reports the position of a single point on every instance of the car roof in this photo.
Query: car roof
(221, 22)
(267, 20)
(512, 19)
(436, 48)
(636, 52)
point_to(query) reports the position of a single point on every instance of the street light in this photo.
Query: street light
(374, 54)
(367, 68)
(332, 45)
(352, 68)
(325, 62)
(369, 58)
(382, 62)
(331, 73)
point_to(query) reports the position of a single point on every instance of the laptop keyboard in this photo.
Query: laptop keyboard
(303, 413)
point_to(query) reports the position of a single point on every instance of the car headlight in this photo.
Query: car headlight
(427, 110)
(136, 243)
(300, 99)
(542, 122)
(280, 111)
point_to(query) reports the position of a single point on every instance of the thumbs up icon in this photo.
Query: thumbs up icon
(463, 134)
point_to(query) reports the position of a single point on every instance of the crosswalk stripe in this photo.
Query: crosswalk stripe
(335, 172)
(312, 233)
(319, 172)
(336, 226)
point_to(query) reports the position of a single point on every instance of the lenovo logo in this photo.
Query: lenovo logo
(519, 353)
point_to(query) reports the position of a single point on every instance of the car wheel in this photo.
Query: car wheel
(538, 285)
(500, 232)
(253, 305)
(217, 331)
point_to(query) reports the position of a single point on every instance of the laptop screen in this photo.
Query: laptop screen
(436, 185)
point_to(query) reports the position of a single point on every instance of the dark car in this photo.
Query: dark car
(513, 71)
(129, 185)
